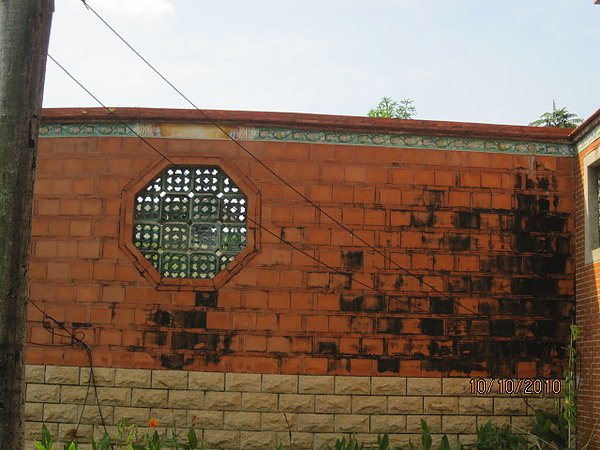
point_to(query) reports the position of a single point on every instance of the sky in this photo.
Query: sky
(487, 61)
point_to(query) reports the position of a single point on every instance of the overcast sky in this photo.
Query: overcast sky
(494, 61)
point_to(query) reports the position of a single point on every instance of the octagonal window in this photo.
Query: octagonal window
(190, 221)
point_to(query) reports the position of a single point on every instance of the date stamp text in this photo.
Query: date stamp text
(515, 386)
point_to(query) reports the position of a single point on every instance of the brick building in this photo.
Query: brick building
(209, 290)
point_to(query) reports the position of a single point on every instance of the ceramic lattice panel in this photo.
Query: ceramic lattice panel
(190, 221)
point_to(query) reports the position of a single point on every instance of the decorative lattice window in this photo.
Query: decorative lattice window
(190, 221)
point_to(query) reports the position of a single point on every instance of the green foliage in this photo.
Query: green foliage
(391, 109)
(102, 444)
(549, 431)
(493, 437)
(560, 117)
(46, 442)
(350, 444)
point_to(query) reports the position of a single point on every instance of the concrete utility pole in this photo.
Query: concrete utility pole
(24, 35)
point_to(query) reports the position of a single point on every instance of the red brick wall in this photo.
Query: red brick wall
(588, 315)
(490, 231)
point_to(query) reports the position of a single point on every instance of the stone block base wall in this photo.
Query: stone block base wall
(255, 411)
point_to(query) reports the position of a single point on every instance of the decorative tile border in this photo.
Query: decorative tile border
(183, 131)
(588, 139)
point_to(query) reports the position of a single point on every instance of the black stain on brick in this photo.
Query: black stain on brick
(154, 338)
(481, 284)
(433, 198)
(193, 319)
(440, 305)
(355, 304)
(399, 282)
(543, 183)
(353, 260)
(534, 286)
(421, 219)
(459, 243)
(375, 303)
(172, 361)
(207, 299)
(432, 327)
(161, 318)
(328, 348)
(502, 327)
(543, 204)
(81, 325)
(398, 305)
(439, 349)
(459, 284)
(388, 365)
(563, 246)
(518, 184)
(487, 308)
(540, 222)
(547, 328)
(467, 220)
(195, 341)
(526, 202)
(509, 306)
(525, 243)
(391, 325)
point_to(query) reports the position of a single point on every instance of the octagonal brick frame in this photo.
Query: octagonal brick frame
(145, 267)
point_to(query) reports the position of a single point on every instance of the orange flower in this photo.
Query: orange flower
(153, 423)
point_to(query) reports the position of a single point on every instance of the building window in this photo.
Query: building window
(591, 180)
(190, 221)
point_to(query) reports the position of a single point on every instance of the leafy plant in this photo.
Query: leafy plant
(427, 441)
(493, 437)
(342, 444)
(391, 109)
(549, 430)
(560, 117)
(46, 442)
(102, 444)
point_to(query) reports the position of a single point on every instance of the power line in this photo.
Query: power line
(255, 158)
(414, 307)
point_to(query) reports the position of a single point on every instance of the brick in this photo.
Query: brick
(388, 424)
(352, 385)
(244, 382)
(475, 405)
(205, 419)
(241, 420)
(207, 381)
(226, 401)
(423, 386)
(34, 412)
(114, 396)
(388, 386)
(153, 398)
(316, 423)
(296, 403)
(75, 394)
(369, 404)
(278, 421)
(510, 406)
(222, 439)
(252, 401)
(351, 423)
(458, 424)
(333, 404)
(62, 375)
(413, 423)
(180, 398)
(405, 405)
(60, 413)
(254, 440)
(440, 405)
(315, 384)
(43, 393)
(455, 386)
(35, 373)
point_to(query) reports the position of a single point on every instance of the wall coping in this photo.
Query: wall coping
(307, 128)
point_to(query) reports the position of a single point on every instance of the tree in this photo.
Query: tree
(560, 117)
(24, 35)
(391, 109)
